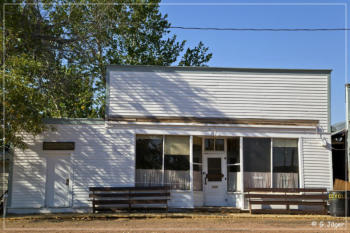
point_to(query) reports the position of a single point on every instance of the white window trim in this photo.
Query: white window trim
(163, 160)
(214, 151)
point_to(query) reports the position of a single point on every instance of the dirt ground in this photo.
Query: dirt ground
(174, 223)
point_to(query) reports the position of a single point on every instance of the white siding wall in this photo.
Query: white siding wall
(219, 94)
(317, 162)
(29, 169)
(100, 158)
(104, 156)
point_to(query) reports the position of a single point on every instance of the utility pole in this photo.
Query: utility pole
(347, 141)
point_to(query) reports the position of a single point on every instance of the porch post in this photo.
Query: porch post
(191, 163)
(241, 169)
(347, 141)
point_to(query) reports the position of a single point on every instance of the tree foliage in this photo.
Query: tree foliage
(56, 53)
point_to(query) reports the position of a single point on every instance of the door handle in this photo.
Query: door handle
(205, 178)
(67, 181)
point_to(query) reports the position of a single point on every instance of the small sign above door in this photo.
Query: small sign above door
(58, 145)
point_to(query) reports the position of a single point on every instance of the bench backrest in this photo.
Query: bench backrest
(287, 190)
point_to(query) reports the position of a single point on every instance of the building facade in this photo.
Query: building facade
(208, 133)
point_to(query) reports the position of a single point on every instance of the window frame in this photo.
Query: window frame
(163, 158)
(234, 164)
(214, 150)
(298, 140)
(300, 171)
(196, 163)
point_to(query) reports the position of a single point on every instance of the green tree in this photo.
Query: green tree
(56, 56)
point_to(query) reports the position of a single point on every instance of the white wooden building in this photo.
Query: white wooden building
(209, 133)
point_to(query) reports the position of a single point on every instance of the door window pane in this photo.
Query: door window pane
(257, 162)
(285, 163)
(214, 145)
(209, 144)
(219, 144)
(214, 169)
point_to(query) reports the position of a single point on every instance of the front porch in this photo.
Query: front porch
(206, 171)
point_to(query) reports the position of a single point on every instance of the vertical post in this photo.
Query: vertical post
(241, 169)
(191, 164)
(301, 163)
(129, 198)
(271, 164)
(93, 202)
(347, 144)
(347, 141)
(163, 159)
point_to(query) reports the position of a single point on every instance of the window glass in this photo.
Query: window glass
(257, 162)
(219, 144)
(177, 145)
(197, 149)
(285, 163)
(149, 150)
(257, 152)
(197, 163)
(209, 144)
(149, 156)
(176, 162)
(233, 178)
(197, 177)
(233, 150)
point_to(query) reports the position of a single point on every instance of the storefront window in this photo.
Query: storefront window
(197, 164)
(177, 162)
(155, 168)
(257, 162)
(149, 156)
(233, 165)
(285, 163)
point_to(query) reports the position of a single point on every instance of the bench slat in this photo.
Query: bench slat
(284, 211)
(311, 203)
(155, 201)
(99, 195)
(113, 208)
(286, 190)
(288, 196)
(152, 188)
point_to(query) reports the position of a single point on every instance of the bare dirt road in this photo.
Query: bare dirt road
(175, 223)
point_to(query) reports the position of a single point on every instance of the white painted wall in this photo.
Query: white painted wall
(99, 159)
(105, 156)
(169, 92)
(105, 153)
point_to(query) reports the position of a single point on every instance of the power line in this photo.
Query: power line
(260, 29)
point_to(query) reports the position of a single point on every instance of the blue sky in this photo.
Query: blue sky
(305, 50)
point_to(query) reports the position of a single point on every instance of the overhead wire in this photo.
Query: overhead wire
(259, 29)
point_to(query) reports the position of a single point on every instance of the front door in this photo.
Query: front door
(57, 181)
(215, 186)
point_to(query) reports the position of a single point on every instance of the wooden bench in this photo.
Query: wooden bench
(316, 197)
(115, 198)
